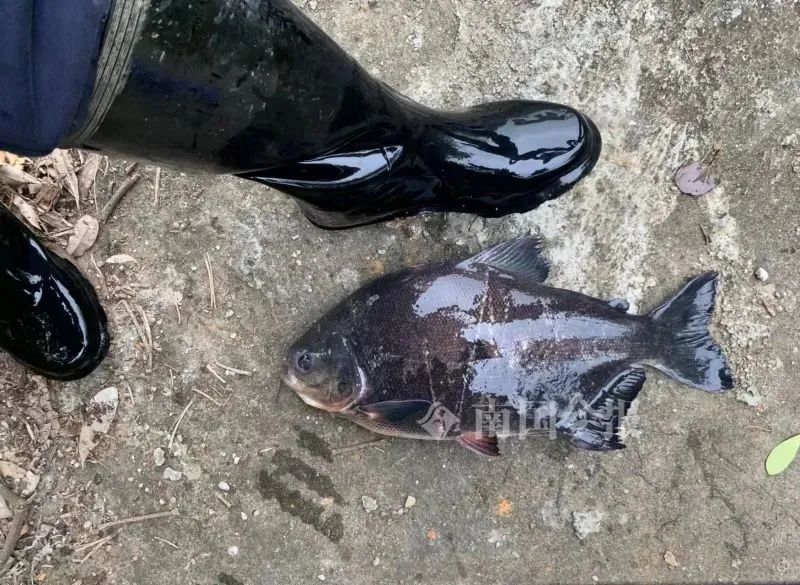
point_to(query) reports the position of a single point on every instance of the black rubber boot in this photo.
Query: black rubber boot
(50, 317)
(258, 90)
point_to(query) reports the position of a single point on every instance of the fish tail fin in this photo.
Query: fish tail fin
(692, 356)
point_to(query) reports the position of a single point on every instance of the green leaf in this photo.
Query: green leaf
(783, 455)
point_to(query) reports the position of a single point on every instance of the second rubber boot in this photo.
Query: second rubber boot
(50, 317)
(258, 90)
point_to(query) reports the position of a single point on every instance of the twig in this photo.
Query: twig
(215, 374)
(222, 499)
(156, 187)
(97, 544)
(233, 370)
(100, 540)
(357, 446)
(204, 395)
(130, 393)
(109, 207)
(131, 167)
(146, 324)
(211, 282)
(20, 507)
(178, 422)
(177, 306)
(172, 544)
(135, 519)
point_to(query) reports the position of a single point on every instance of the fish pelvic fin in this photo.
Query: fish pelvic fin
(692, 356)
(480, 444)
(601, 429)
(522, 257)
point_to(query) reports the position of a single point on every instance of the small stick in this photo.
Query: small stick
(136, 324)
(109, 207)
(215, 374)
(20, 508)
(100, 540)
(131, 167)
(357, 446)
(156, 187)
(177, 306)
(96, 547)
(233, 370)
(164, 540)
(204, 395)
(178, 422)
(222, 499)
(135, 519)
(130, 393)
(211, 282)
(146, 324)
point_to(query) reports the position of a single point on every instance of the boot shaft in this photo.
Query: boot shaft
(229, 87)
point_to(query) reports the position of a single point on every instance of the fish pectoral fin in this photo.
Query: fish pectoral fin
(521, 257)
(396, 410)
(600, 430)
(480, 444)
(620, 305)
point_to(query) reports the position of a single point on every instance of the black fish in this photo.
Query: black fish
(479, 349)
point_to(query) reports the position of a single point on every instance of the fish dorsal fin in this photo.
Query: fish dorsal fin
(600, 430)
(521, 257)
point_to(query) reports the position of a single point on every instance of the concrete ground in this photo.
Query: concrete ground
(688, 501)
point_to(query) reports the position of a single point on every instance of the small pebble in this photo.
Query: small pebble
(411, 501)
(172, 475)
(224, 486)
(370, 504)
(762, 275)
(321, 577)
(233, 550)
(376, 562)
(158, 456)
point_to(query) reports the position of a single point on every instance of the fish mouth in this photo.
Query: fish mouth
(309, 394)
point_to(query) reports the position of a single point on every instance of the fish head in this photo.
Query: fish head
(323, 370)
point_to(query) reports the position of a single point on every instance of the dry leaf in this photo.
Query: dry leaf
(13, 160)
(5, 512)
(120, 259)
(46, 195)
(88, 173)
(85, 443)
(15, 177)
(86, 230)
(695, 179)
(65, 171)
(101, 410)
(669, 558)
(31, 483)
(28, 212)
(12, 470)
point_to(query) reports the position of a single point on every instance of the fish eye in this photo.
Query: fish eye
(303, 362)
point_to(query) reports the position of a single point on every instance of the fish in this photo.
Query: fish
(479, 349)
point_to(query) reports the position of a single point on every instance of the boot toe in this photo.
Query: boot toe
(51, 319)
(509, 157)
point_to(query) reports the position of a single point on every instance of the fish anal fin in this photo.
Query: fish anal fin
(600, 429)
(521, 257)
(480, 444)
(396, 410)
